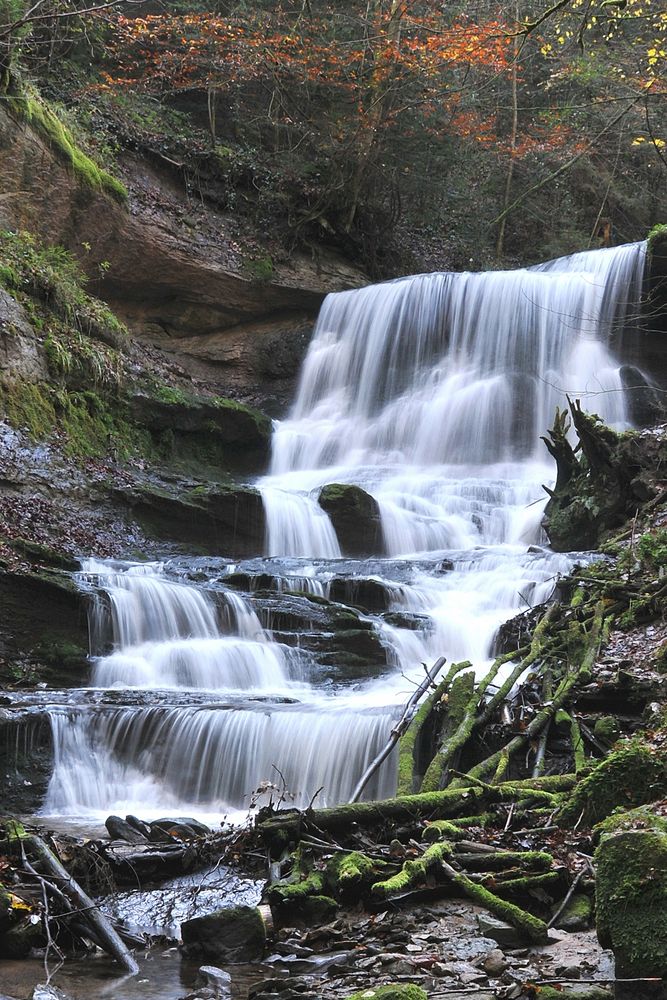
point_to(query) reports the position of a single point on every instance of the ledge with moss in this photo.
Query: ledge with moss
(31, 108)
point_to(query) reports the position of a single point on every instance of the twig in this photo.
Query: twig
(570, 893)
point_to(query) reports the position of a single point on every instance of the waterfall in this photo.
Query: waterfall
(431, 393)
(243, 714)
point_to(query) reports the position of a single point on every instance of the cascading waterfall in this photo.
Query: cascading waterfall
(431, 393)
(244, 712)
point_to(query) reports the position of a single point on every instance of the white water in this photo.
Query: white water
(431, 393)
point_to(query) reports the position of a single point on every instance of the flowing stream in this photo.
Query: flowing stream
(215, 685)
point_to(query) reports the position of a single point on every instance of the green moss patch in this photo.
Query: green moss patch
(632, 775)
(393, 991)
(36, 112)
(631, 900)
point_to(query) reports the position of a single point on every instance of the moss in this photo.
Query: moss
(351, 874)
(442, 829)
(632, 775)
(34, 110)
(27, 405)
(414, 872)
(9, 278)
(631, 900)
(532, 861)
(393, 991)
(607, 729)
(578, 913)
(517, 888)
(44, 554)
(50, 284)
(531, 927)
(87, 425)
(458, 701)
(642, 818)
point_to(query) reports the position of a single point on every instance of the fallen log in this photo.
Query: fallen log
(401, 726)
(281, 827)
(38, 856)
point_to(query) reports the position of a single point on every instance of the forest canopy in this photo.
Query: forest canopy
(392, 130)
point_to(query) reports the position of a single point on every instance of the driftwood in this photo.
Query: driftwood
(40, 860)
(400, 727)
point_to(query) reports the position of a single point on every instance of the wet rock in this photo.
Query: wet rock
(44, 619)
(645, 401)
(365, 594)
(229, 936)
(355, 516)
(217, 980)
(177, 829)
(577, 915)
(495, 963)
(216, 521)
(120, 829)
(48, 992)
(498, 930)
(197, 432)
(20, 353)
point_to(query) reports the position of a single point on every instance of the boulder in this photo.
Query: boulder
(220, 520)
(195, 432)
(644, 400)
(631, 898)
(633, 774)
(230, 936)
(217, 980)
(120, 829)
(355, 516)
(364, 593)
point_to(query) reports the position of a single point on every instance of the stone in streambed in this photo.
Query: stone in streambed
(120, 829)
(499, 931)
(355, 516)
(181, 828)
(631, 896)
(230, 936)
(577, 915)
(219, 981)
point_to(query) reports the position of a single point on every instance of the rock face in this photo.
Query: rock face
(205, 431)
(20, 354)
(45, 619)
(224, 520)
(229, 936)
(355, 516)
(631, 899)
(169, 276)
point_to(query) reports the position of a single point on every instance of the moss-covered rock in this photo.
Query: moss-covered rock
(392, 991)
(44, 623)
(631, 899)
(229, 936)
(355, 516)
(578, 913)
(635, 773)
(197, 432)
(220, 520)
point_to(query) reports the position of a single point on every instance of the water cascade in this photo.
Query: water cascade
(431, 393)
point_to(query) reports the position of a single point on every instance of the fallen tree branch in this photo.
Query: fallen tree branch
(399, 728)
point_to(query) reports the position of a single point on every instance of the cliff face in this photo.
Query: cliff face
(170, 268)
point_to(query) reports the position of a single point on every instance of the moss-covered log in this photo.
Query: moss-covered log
(280, 828)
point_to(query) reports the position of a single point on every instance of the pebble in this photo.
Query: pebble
(495, 963)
